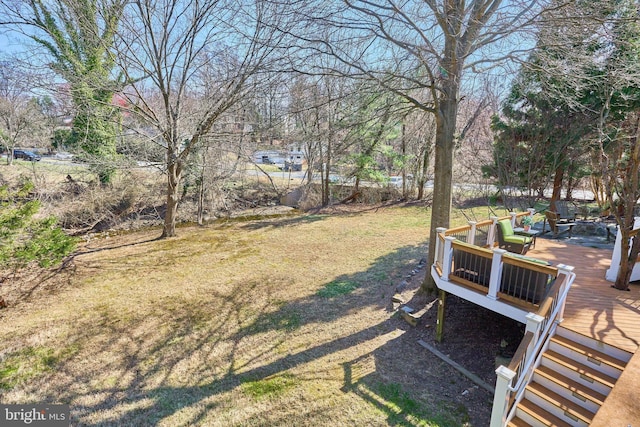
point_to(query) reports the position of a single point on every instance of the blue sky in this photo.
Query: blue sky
(10, 42)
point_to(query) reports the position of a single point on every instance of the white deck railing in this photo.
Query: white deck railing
(464, 257)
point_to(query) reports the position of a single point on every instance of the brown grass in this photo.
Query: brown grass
(227, 325)
(283, 321)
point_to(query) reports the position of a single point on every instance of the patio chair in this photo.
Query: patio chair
(566, 210)
(557, 224)
(510, 241)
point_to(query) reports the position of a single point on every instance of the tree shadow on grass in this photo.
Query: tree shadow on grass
(258, 223)
(393, 400)
(22, 287)
(197, 356)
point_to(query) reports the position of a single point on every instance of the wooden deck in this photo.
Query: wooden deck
(597, 310)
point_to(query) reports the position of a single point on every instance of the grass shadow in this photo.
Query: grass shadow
(189, 357)
(400, 407)
(235, 354)
(259, 223)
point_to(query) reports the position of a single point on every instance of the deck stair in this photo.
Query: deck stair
(575, 376)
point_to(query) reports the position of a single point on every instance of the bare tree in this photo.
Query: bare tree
(304, 108)
(476, 143)
(217, 161)
(318, 106)
(333, 91)
(21, 118)
(266, 107)
(426, 48)
(187, 63)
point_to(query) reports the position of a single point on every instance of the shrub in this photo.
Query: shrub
(24, 238)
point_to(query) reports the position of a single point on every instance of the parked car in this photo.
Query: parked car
(395, 181)
(26, 155)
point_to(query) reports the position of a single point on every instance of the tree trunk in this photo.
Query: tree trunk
(627, 262)
(404, 154)
(557, 187)
(326, 171)
(174, 174)
(443, 178)
(201, 187)
(201, 201)
(630, 188)
(570, 183)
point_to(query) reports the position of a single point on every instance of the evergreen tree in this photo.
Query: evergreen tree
(590, 66)
(538, 136)
(26, 239)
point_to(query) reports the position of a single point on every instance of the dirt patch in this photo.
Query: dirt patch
(474, 338)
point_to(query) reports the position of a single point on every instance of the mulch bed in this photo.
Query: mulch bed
(473, 338)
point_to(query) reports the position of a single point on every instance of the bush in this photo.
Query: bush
(130, 199)
(23, 237)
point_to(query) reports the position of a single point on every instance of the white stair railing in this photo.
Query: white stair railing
(541, 327)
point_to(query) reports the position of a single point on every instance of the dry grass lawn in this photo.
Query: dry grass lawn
(282, 321)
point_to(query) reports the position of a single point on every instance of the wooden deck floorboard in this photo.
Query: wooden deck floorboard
(599, 311)
(594, 308)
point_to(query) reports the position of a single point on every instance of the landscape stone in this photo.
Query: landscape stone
(402, 286)
(397, 298)
(410, 319)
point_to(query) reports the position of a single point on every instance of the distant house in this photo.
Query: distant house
(295, 161)
(285, 159)
(269, 157)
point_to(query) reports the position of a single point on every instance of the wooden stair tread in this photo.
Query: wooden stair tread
(580, 368)
(542, 415)
(517, 422)
(589, 352)
(564, 332)
(571, 385)
(561, 402)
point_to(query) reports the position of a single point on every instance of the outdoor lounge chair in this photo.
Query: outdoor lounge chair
(511, 241)
(566, 210)
(558, 224)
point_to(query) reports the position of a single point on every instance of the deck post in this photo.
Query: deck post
(565, 270)
(439, 248)
(491, 235)
(472, 233)
(446, 257)
(513, 215)
(534, 325)
(496, 273)
(442, 300)
(532, 212)
(501, 396)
